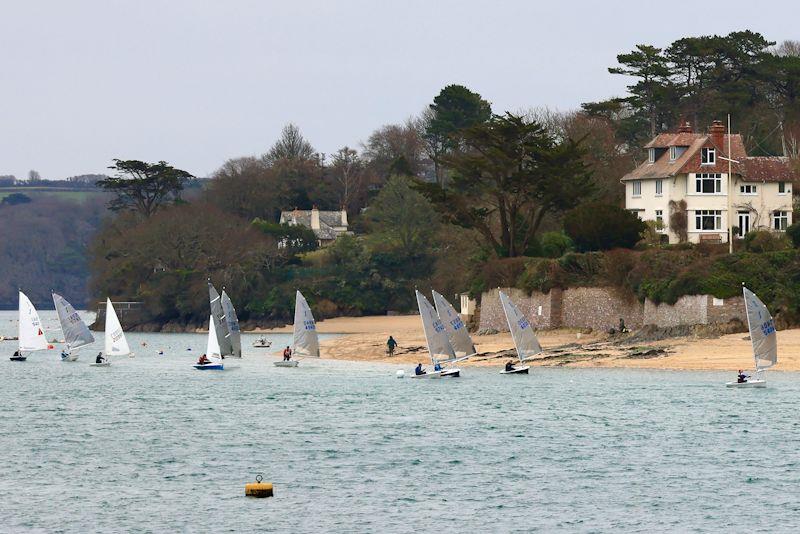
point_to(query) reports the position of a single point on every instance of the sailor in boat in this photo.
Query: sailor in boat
(437, 367)
(741, 377)
(64, 355)
(509, 366)
(287, 354)
(99, 358)
(203, 360)
(418, 370)
(16, 354)
(391, 344)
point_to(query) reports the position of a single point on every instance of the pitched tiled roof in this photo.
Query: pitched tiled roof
(769, 169)
(328, 222)
(757, 169)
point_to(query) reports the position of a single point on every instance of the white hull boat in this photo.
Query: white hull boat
(747, 384)
(430, 375)
(101, 364)
(516, 371)
(764, 339)
(284, 363)
(439, 346)
(525, 341)
(76, 333)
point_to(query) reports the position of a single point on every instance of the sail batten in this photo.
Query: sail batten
(305, 339)
(762, 331)
(435, 333)
(525, 340)
(457, 333)
(76, 333)
(115, 342)
(31, 334)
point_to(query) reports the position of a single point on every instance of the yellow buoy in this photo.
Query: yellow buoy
(258, 488)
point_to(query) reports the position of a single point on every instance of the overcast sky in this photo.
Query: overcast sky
(195, 82)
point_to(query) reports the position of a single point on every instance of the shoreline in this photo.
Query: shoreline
(363, 339)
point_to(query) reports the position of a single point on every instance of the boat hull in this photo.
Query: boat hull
(431, 375)
(749, 384)
(209, 367)
(451, 373)
(18, 358)
(516, 371)
(101, 364)
(284, 363)
(69, 357)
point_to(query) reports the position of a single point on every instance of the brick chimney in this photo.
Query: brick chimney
(717, 134)
(344, 217)
(685, 127)
(314, 218)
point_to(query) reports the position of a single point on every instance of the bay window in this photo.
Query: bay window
(707, 220)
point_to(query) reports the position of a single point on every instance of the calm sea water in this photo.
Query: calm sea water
(151, 445)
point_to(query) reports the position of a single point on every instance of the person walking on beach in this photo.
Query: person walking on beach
(391, 344)
(287, 354)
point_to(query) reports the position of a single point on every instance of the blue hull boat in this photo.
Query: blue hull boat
(209, 367)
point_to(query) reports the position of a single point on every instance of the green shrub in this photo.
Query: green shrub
(555, 244)
(766, 241)
(599, 226)
(794, 233)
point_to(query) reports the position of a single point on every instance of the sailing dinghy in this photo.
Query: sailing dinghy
(525, 340)
(764, 339)
(31, 336)
(213, 355)
(439, 346)
(221, 324)
(76, 333)
(456, 330)
(115, 342)
(305, 341)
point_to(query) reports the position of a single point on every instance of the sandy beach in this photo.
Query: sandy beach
(364, 339)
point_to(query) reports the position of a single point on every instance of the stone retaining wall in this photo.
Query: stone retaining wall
(601, 308)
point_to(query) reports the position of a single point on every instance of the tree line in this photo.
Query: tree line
(445, 199)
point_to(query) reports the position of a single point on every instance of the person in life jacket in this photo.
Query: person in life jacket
(287, 354)
(418, 370)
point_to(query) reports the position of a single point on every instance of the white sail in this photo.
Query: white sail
(456, 329)
(223, 336)
(306, 341)
(232, 322)
(435, 333)
(212, 347)
(76, 333)
(762, 331)
(31, 335)
(115, 342)
(521, 330)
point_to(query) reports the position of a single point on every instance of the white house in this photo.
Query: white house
(692, 167)
(326, 225)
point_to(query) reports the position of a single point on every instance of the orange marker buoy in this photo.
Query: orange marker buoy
(258, 488)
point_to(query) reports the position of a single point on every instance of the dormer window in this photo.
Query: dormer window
(708, 156)
(651, 155)
(673, 153)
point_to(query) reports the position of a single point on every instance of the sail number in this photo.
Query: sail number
(438, 326)
(309, 325)
(768, 328)
(523, 323)
(457, 324)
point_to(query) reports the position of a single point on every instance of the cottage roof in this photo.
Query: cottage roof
(757, 168)
(329, 221)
